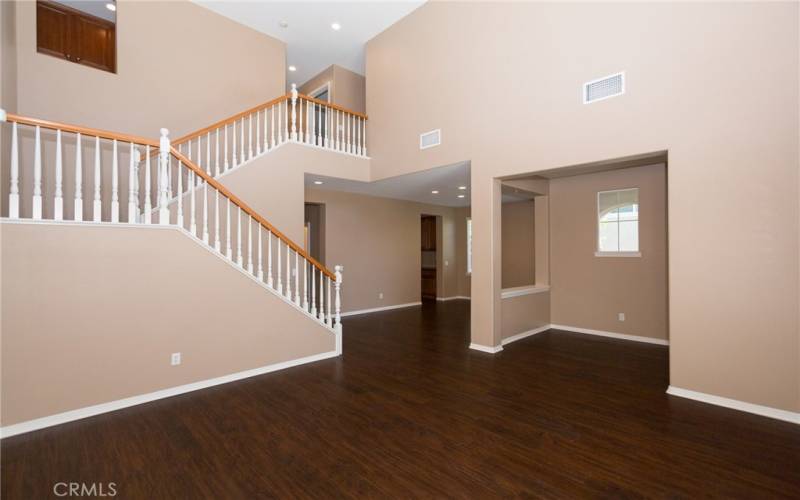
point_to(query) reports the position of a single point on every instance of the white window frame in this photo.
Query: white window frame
(617, 253)
(469, 245)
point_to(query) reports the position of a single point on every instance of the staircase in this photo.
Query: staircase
(140, 181)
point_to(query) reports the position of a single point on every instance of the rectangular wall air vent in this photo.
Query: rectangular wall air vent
(603, 88)
(430, 139)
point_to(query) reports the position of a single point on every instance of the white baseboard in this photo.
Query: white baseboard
(601, 333)
(378, 309)
(484, 348)
(765, 411)
(89, 411)
(522, 335)
(454, 297)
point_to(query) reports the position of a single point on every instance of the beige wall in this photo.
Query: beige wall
(180, 66)
(589, 291)
(378, 242)
(715, 84)
(79, 328)
(524, 313)
(8, 57)
(518, 244)
(347, 89)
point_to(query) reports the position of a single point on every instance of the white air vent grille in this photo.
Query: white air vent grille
(603, 88)
(430, 139)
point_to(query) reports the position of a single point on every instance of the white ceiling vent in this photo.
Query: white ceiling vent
(430, 139)
(603, 88)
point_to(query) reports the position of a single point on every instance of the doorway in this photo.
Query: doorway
(428, 257)
(314, 231)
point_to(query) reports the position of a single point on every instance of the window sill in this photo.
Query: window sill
(618, 254)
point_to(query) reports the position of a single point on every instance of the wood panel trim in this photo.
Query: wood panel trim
(252, 213)
(105, 134)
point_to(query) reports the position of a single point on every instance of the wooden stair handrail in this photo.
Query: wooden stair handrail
(105, 134)
(241, 204)
(332, 106)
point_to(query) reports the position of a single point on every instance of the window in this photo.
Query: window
(469, 245)
(86, 36)
(618, 223)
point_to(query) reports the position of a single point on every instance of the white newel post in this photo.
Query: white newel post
(163, 180)
(338, 304)
(294, 112)
(13, 197)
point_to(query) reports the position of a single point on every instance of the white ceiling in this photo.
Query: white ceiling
(416, 186)
(311, 44)
(95, 8)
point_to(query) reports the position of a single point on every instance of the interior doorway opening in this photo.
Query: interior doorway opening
(428, 257)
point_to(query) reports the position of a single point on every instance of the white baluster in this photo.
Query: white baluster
(199, 162)
(286, 120)
(337, 139)
(349, 120)
(321, 296)
(358, 135)
(115, 184)
(235, 158)
(205, 212)
(296, 278)
(271, 128)
(318, 119)
(330, 317)
(241, 149)
(314, 290)
(179, 219)
(208, 153)
(225, 127)
(228, 251)
(279, 120)
(280, 280)
(97, 209)
(13, 197)
(269, 259)
(258, 131)
(314, 132)
(189, 151)
(148, 207)
(338, 285)
(132, 201)
(249, 136)
(58, 206)
(37, 175)
(288, 272)
(249, 244)
(305, 285)
(164, 180)
(266, 132)
(309, 131)
(327, 127)
(217, 245)
(260, 255)
(239, 259)
(216, 156)
(364, 137)
(78, 179)
(192, 218)
(294, 112)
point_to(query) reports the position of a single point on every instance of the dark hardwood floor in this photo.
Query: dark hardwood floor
(410, 411)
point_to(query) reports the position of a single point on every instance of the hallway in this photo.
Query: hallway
(410, 411)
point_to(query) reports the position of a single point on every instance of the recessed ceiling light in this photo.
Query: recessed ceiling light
(461, 196)
(336, 26)
(292, 68)
(434, 192)
(462, 187)
(317, 182)
(111, 7)
(283, 24)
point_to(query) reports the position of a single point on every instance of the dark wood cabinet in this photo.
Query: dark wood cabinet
(429, 283)
(428, 235)
(75, 36)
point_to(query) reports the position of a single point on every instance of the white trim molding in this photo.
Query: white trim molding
(601, 333)
(379, 309)
(454, 297)
(484, 348)
(617, 254)
(523, 335)
(519, 291)
(89, 411)
(734, 404)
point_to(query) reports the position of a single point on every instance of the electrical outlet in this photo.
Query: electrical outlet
(175, 359)
(621, 316)
(446, 263)
(380, 296)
